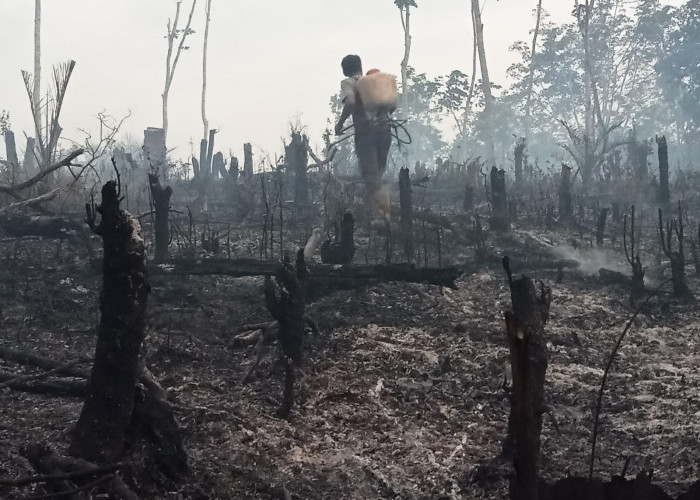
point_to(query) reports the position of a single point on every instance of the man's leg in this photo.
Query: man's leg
(383, 144)
(366, 149)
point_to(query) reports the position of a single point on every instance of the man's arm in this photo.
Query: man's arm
(347, 111)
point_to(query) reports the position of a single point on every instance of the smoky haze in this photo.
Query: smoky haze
(269, 63)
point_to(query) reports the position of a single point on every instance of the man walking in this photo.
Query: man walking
(372, 135)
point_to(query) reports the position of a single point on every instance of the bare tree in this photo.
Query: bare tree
(170, 63)
(528, 102)
(47, 137)
(205, 122)
(405, 11)
(470, 95)
(36, 101)
(485, 80)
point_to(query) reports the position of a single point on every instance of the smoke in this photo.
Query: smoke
(592, 259)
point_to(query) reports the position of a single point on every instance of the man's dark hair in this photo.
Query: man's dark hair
(351, 65)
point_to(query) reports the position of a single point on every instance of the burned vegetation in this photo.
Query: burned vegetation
(510, 316)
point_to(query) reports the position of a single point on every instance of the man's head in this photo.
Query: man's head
(352, 65)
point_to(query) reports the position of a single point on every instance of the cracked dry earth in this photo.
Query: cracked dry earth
(402, 396)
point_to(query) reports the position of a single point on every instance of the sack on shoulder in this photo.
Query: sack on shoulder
(378, 92)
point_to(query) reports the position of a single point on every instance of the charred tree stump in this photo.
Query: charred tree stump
(566, 205)
(677, 258)
(73, 475)
(513, 210)
(519, 154)
(600, 227)
(664, 191)
(101, 429)
(549, 221)
(341, 251)
(288, 308)
(695, 250)
(528, 351)
(296, 156)
(616, 211)
(11, 150)
(637, 292)
(406, 214)
(468, 202)
(247, 160)
(161, 204)
(639, 152)
(499, 199)
(218, 165)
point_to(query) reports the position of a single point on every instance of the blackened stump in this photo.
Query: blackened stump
(100, 431)
(161, 205)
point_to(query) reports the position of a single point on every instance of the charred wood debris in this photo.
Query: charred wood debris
(437, 232)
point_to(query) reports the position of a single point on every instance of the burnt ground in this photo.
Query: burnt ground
(402, 396)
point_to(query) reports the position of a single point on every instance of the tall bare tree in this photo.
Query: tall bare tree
(485, 80)
(205, 122)
(405, 12)
(531, 73)
(36, 101)
(170, 63)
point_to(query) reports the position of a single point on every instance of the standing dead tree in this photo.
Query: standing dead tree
(600, 226)
(406, 214)
(47, 135)
(664, 191)
(566, 205)
(519, 154)
(109, 404)
(632, 256)
(404, 7)
(499, 210)
(288, 308)
(342, 250)
(114, 408)
(170, 63)
(161, 205)
(677, 258)
(528, 354)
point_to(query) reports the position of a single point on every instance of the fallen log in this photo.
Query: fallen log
(19, 225)
(57, 386)
(46, 461)
(321, 276)
(32, 359)
(40, 376)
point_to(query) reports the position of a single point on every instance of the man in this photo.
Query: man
(372, 135)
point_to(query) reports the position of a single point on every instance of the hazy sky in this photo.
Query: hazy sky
(270, 62)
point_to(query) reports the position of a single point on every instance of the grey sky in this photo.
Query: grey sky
(270, 61)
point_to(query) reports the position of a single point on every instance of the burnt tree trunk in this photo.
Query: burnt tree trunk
(204, 167)
(11, 149)
(288, 309)
(101, 429)
(519, 156)
(637, 292)
(468, 203)
(566, 206)
(247, 160)
(161, 206)
(218, 165)
(616, 211)
(297, 159)
(499, 210)
(343, 250)
(525, 328)
(664, 191)
(406, 214)
(677, 258)
(600, 227)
